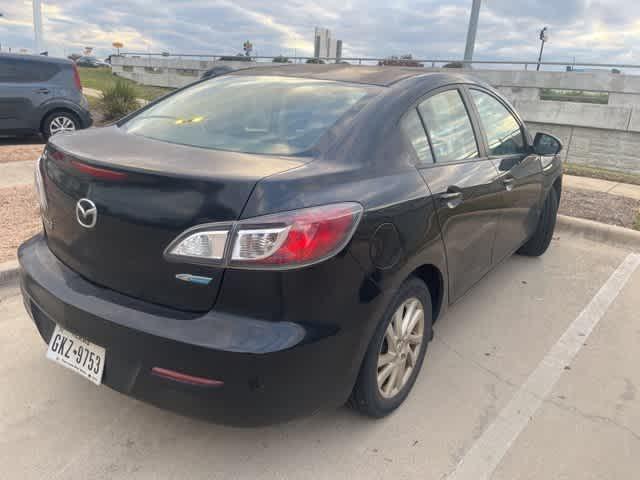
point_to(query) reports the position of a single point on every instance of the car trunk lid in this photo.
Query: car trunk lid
(146, 193)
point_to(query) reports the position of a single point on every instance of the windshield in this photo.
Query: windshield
(252, 114)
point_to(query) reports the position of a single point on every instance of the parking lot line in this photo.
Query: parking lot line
(486, 453)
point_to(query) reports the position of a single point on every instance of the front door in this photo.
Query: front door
(465, 187)
(519, 172)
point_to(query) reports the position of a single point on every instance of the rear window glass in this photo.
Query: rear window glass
(253, 114)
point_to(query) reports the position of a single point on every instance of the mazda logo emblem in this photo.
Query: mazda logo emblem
(86, 213)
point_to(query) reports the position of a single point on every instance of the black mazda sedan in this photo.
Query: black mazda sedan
(257, 246)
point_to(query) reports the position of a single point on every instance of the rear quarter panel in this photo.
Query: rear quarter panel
(382, 177)
(63, 95)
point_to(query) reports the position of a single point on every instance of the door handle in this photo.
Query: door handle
(42, 90)
(508, 183)
(452, 199)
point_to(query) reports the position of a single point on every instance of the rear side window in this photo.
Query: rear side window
(504, 135)
(14, 70)
(413, 129)
(252, 114)
(447, 121)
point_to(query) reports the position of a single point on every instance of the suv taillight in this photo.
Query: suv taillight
(280, 241)
(76, 77)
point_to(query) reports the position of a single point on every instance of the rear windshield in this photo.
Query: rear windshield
(252, 114)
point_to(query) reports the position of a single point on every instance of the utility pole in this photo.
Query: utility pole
(37, 26)
(471, 33)
(543, 38)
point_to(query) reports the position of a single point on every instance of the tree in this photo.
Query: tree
(454, 65)
(74, 56)
(248, 48)
(280, 59)
(315, 60)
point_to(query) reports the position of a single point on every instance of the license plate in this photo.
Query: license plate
(77, 354)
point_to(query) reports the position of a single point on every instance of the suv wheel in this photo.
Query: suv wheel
(396, 352)
(58, 122)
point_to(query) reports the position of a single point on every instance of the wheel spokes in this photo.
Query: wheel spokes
(391, 383)
(408, 316)
(403, 340)
(416, 318)
(62, 124)
(386, 359)
(391, 338)
(384, 374)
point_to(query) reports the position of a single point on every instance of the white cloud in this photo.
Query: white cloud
(591, 30)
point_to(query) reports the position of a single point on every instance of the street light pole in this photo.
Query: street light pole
(471, 32)
(543, 38)
(1, 16)
(37, 25)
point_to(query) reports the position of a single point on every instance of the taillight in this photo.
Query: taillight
(101, 173)
(279, 241)
(40, 192)
(76, 77)
(203, 245)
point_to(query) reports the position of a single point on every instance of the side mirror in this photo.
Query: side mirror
(545, 144)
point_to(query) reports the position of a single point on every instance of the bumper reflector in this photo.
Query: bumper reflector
(184, 378)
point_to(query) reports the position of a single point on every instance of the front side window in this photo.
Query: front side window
(413, 129)
(504, 136)
(447, 121)
(252, 114)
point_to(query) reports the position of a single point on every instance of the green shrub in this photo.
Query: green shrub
(119, 100)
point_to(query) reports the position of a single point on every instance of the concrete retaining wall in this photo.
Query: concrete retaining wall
(606, 135)
(610, 149)
(169, 72)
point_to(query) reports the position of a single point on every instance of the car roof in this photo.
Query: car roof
(35, 58)
(383, 76)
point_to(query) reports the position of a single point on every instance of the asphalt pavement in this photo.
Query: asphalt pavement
(532, 375)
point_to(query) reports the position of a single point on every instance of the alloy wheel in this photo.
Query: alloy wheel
(400, 347)
(61, 124)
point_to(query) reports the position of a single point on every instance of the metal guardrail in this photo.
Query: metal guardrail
(433, 62)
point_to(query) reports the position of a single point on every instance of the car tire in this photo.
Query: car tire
(59, 117)
(368, 396)
(541, 238)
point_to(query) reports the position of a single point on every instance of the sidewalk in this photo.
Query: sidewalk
(604, 186)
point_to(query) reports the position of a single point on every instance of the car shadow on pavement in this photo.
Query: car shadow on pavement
(16, 141)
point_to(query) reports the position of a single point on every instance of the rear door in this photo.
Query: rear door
(520, 171)
(22, 89)
(465, 186)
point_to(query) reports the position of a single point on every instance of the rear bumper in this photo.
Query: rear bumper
(272, 371)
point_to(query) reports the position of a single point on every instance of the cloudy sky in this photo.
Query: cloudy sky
(589, 30)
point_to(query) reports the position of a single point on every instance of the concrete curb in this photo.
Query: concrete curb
(9, 272)
(599, 232)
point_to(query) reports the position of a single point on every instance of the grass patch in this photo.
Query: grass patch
(636, 224)
(119, 100)
(95, 104)
(102, 79)
(601, 173)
